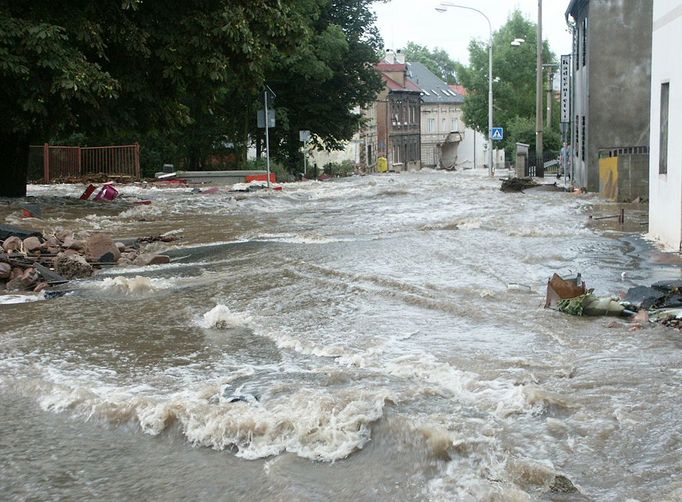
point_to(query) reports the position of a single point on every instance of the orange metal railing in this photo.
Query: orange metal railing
(72, 161)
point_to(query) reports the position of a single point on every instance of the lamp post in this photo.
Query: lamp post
(540, 161)
(443, 8)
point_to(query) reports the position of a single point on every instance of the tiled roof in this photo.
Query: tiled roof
(395, 86)
(390, 66)
(433, 89)
(459, 89)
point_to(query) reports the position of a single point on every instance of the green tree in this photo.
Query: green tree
(437, 61)
(514, 82)
(125, 67)
(323, 84)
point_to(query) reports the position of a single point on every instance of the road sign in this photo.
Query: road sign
(303, 136)
(261, 119)
(497, 133)
(565, 88)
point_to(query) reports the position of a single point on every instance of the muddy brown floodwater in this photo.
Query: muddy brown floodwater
(371, 338)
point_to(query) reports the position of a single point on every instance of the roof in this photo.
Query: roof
(574, 7)
(433, 89)
(459, 89)
(390, 66)
(395, 86)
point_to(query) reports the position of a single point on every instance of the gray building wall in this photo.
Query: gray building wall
(612, 90)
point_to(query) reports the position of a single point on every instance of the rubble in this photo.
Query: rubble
(100, 248)
(659, 303)
(31, 261)
(517, 184)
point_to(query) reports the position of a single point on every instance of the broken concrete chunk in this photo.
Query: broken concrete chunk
(32, 244)
(72, 266)
(5, 270)
(100, 248)
(26, 281)
(12, 243)
(52, 241)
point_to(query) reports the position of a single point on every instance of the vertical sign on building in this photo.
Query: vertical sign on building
(565, 90)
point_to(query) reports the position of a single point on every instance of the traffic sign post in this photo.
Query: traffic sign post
(268, 99)
(303, 137)
(497, 133)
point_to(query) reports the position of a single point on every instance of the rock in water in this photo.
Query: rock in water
(72, 266)
(100, 248)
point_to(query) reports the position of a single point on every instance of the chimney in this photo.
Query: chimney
(400, 57)
(390, 56)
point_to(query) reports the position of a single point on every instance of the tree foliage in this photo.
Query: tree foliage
(323, 85)
(514, 82)
(437, 61)
(183, 78)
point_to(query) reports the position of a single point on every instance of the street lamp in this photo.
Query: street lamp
(444, 7)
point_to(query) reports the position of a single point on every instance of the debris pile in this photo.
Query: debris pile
(518, 184)
(31, 261)
(659, 303)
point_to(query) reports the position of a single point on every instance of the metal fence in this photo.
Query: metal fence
(51, 162)
(550, 164)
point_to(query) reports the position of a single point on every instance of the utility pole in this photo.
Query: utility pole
(540, 167)
(550, 82)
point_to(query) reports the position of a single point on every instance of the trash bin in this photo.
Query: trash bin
(382, 165)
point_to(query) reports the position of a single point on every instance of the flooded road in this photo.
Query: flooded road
(371, 338)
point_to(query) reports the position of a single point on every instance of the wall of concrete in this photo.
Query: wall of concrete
(619, 65)
(612, 91)
(665, 190)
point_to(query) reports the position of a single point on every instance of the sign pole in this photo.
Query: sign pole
(267, 135)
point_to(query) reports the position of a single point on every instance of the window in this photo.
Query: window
(455, 125)
(431, 125)
(443, 126)
(663, 134)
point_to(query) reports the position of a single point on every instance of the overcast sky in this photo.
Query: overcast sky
(402, 21)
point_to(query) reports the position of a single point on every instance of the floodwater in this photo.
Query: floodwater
(371, 338)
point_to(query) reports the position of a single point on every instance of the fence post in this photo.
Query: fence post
(80, 167)
(46, 162)
(137, 161)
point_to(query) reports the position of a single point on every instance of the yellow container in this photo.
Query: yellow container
(382, 165)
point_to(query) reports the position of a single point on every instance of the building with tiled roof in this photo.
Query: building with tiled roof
(392, 130)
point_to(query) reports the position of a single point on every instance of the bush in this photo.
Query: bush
(283, 175)
(345, 168)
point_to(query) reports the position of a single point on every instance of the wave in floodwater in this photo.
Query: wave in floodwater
(392, 321)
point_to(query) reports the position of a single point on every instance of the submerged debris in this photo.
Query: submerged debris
(660, 303)
(517, 184)
(31, 261)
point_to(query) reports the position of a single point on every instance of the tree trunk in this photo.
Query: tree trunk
(13, 165)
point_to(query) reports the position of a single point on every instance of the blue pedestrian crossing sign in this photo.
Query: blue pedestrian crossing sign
(497, 133)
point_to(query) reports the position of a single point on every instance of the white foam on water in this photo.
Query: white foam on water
(142, 210)
(470, 224)
(310, 423)
(298, 239)
(221, 317)
(130, 286)
(15, 299)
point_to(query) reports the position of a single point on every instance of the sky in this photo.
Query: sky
(402, 21)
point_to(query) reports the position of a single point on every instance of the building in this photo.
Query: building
(665, 177)
(392, 128)
(442, 128)
(611, 63)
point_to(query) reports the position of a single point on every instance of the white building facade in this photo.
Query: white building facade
(665, 174)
